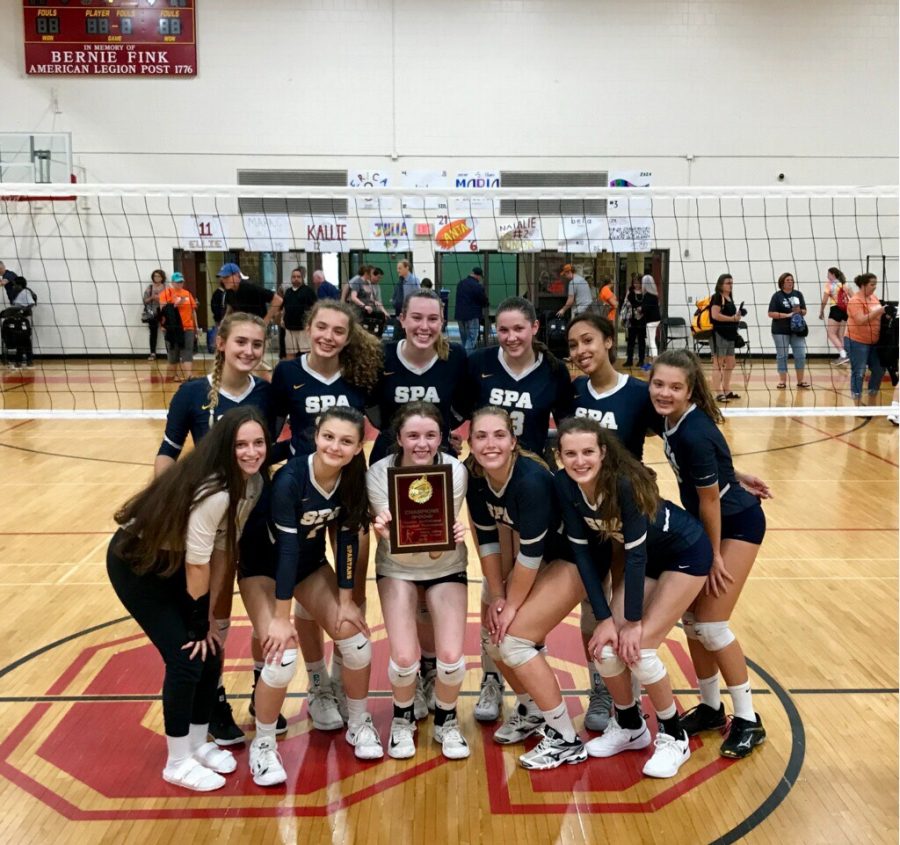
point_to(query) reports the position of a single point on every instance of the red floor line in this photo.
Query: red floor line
(845, 442)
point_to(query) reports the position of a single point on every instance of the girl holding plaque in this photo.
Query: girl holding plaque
(514, 488)
(440, 575)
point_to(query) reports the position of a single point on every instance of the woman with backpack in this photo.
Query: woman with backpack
(836, 295)
(787, 308)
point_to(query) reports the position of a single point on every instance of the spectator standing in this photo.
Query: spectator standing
(365, 294)
(409, 283)
(323, 288)
(7, 275)
(151, 306)
(725, 316)
(608, 298)
(786, 304)
(299, 299)
(636, 324)
(579, 297)
(652, 315)
(863, 332)
(180, 327)
(246, 297)
(836, 294)
(471, 300)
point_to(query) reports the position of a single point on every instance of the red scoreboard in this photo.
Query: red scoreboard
(110, 37)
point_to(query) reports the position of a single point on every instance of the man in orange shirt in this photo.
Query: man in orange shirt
(175, 300)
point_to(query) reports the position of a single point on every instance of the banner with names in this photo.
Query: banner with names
(457, 235)
(583, 234)
(478, 181)
(520, 235)
(423, 179)
(389, 234)
(268, 232)
(369, 178)
(325, 234)
(201, 232)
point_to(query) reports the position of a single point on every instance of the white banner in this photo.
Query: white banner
(325, 234)
(365, 178)
(522, 235)
(631, 234)
(583, 234)
(390, 234)
(456, 235)
(423, 179)
(630, 178)
(477, 181)
(201, 232)
(268, 232)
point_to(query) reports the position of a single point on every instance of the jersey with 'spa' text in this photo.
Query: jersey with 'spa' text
(302, 512)
(529, 397)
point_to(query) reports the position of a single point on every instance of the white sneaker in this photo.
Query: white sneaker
(553, 751)
(668, 755)
(323, 707)
(519, 725)
(420, 703)
(453, 743)
(894, 418)
(490, 699)
(402, 744)
(218, 759)
(365, 740)
(265, 763)
(616, 739)
(193, 775)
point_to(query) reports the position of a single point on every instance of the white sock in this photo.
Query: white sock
(668, 713)
(487, 662)
(742, 701)
(636, 687)
(179, 750)
(316, 672)
(558, 718)
(197, 735)
(356, 710)
(266, 731)
(709, 691)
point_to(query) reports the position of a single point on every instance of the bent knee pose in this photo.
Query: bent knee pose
(340, 369)
(524, 378)
(514, 488)
(442, 577)
(604, 493)
(168, 562)
(735, 524)
(309, 494)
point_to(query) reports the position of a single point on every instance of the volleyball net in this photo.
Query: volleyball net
(88, 252)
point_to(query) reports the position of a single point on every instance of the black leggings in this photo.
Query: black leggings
(637, 331)
(189, 687)
(153, 325)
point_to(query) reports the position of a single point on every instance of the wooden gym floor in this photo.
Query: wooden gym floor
(80, 719)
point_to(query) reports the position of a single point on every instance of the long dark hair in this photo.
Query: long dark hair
(352, 491)
(156, 519)
(618, 462)
(720, 283)
(700, 393)
(838, 275)
(526, 309)
(601, 324)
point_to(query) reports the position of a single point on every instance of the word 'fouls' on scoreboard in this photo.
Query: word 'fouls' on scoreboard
(110, 37)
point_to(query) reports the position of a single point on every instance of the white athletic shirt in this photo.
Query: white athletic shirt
(207, 525)
(420, 566)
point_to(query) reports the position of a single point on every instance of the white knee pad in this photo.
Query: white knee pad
(689, 621)
(609, 665)
(302, 613)
(356, 651)
(714, 636)
(222, 626)
(517, 651)
(451, 674)
(492, 650)
(588, 620)
(402, 676)
(649, 669)
(278, 677)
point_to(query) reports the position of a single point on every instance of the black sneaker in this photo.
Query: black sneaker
(222, 727)
(280, 722)
(703, 718)
(743, 737)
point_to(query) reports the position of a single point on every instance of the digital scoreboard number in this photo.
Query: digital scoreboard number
(110, 37)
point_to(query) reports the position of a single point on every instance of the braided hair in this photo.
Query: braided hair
(225, 327)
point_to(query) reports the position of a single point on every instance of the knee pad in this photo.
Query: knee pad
(492, 650)
(356, 651)
(222, 626)
(451, 674)
(649, 669)
(517, 651)
(609, 665)
(301, 612)
(689, 621)
(714, 636)
(588, 620)
(279, 676)
(402, 676)
(485, 592)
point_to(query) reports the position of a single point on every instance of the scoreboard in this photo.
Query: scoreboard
(110, 37)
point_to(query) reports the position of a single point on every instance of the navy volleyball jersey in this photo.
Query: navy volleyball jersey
(700, 457)
(190, 412)
(626, 410)
(302, 512)
(527, 505)
(301, 395)
(440, 382)
(529, 398)
(672, 532)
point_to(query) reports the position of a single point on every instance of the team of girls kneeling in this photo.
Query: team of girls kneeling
(595, 532)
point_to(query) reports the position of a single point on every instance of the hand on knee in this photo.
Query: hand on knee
(517, 651)
(689, 622)
(492, 650)
(610, 664)
(356, 651)
(649, 669)
(279, 676)
(714, 636)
